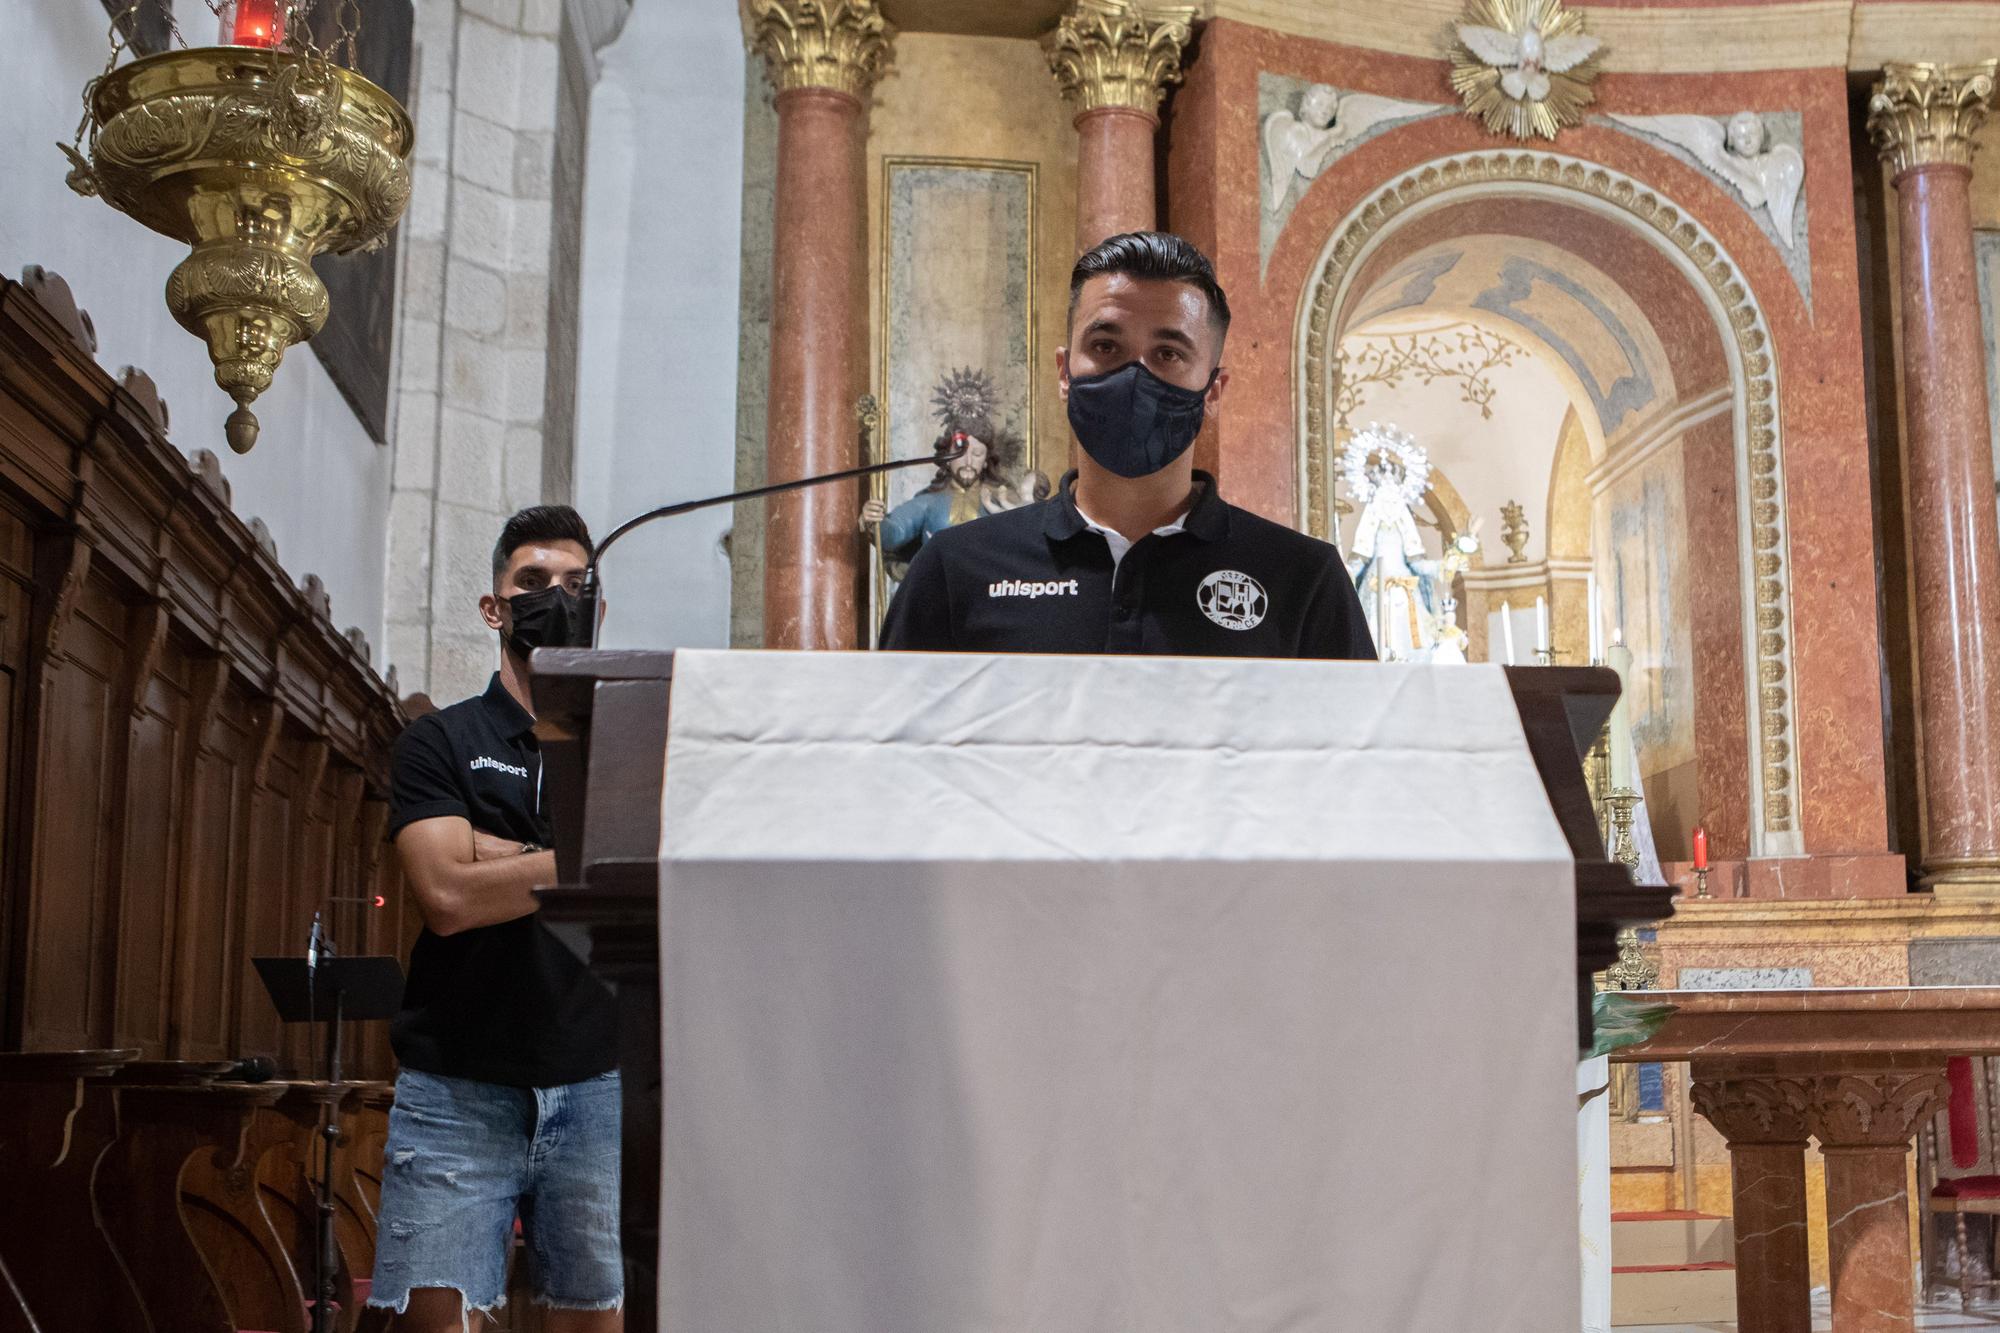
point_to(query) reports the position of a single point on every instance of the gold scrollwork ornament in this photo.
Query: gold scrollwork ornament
(259, 160)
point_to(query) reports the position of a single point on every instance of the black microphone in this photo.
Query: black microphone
(587, 598)
(253, 1069)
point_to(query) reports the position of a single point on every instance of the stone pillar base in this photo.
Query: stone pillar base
(1968, 878)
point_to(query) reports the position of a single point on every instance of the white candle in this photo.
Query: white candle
(1596, 629)
(1617, 636)
(1507, 630)
(1541, 625)
(1624, 763)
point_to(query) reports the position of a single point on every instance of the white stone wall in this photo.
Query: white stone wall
(315, 478)
(657, 383)
(474, 318)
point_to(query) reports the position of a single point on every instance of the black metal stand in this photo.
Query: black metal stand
(335, 991)
(326, 1258)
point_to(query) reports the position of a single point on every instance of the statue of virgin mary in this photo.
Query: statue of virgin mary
(1405, 594)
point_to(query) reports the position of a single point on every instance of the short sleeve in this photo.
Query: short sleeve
(1334, 625)
(423, 779)
(919, 618)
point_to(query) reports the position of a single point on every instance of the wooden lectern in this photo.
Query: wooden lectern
(601, 717)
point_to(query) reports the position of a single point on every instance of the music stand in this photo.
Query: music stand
(333, 991)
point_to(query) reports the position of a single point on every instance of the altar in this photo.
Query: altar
(989, 1000)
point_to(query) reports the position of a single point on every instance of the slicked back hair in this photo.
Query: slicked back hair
(1157, 255)
(539, 524)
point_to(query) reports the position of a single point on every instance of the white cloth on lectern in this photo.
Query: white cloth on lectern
(1064, 994)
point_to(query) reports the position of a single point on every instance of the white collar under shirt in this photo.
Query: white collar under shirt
(1118, 541)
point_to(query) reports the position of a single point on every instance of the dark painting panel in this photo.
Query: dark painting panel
(145, 25)
(355, 344)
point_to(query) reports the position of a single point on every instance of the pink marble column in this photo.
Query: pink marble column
(1865, 1122)
(1116, 189)
(1923, 118)
(1763, 1120)
(1113, 60)
(812, 553)
(823, 57)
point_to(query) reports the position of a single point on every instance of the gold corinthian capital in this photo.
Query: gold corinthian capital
(1924, 114)
(1117, 53)
(840, 45)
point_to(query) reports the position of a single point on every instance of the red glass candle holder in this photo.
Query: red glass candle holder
(254, 23)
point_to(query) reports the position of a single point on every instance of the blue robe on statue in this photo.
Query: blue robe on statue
(910, 524)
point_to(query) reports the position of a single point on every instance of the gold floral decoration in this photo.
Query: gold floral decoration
(1466, 357)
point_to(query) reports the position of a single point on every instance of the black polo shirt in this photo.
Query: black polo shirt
(507, 1003)
(1038, 580)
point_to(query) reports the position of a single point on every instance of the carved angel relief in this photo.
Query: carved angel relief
(1523, 66)
(1327, 122)
(1765, 175)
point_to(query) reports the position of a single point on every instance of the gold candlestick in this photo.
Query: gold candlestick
(1701, 882)
(1623, 849)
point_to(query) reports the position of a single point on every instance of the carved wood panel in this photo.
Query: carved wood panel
(189, 749)
(147, 882)
(209, 929)
(269, 855)
(16, 585)
(66, 951)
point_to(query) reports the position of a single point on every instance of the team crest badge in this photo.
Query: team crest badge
(1232, 599)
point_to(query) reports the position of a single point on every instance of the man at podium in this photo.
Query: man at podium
(1135, 552)
(508, 1100)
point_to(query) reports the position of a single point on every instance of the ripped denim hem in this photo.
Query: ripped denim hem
(401, 1304)
(558, 1303)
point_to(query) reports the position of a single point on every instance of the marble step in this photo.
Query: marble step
(1678, 1294)
(1655, 1240)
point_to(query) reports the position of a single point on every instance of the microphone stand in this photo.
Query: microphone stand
(588, 597)
(326, 1261)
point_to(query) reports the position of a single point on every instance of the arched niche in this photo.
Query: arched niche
(1698, 311)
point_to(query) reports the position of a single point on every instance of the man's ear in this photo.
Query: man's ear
(1062, 373)
(489, 610)
(1215, 388)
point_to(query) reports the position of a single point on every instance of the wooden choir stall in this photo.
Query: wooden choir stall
(193, 761)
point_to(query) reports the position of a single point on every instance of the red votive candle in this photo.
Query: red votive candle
(1700, 847)
(258, 23)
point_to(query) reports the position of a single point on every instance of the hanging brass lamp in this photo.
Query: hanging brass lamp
(259, 153)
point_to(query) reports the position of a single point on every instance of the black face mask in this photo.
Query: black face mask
(1132, 422)
(550, 617)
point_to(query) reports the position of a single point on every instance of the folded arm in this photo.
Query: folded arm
(464, 879)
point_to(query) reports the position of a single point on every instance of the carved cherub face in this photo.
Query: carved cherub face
(1318, 106)
(1746, 134)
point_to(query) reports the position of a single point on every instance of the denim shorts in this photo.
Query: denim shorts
(464, 1159)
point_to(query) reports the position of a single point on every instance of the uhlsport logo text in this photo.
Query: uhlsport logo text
(1032, 588)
